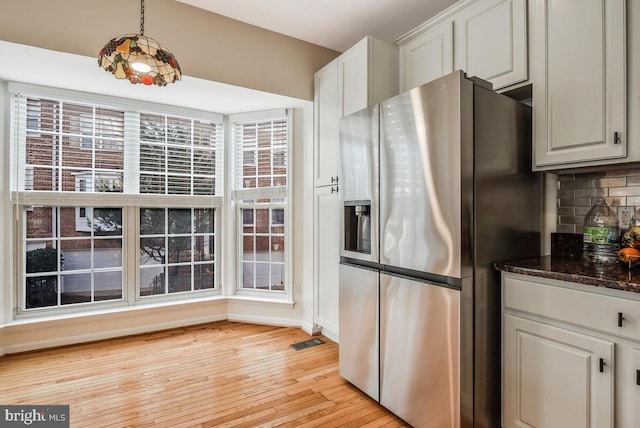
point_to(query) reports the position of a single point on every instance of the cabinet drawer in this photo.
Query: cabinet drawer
(612, 315)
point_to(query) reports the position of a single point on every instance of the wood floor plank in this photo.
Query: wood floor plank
(221, 374)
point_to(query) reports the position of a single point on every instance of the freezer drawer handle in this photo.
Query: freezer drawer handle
(620, 319)
(602, 364)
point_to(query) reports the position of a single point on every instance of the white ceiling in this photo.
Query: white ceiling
(335, 24)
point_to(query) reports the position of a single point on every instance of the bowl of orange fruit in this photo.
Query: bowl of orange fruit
(629, 252)
(629, 256)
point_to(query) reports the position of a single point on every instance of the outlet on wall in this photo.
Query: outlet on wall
(624, 217)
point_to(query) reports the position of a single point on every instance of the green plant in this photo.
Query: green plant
(42, 291)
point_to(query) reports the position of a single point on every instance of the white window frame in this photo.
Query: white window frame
(130, 202)
(241, 198)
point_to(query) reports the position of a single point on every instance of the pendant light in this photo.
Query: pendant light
(139, 59)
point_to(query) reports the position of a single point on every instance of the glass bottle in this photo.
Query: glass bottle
(601, 234)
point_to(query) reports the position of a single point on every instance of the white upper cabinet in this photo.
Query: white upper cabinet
(483, 38)
(491, 41)
(367, 74)
(427, 56)
(326, 132)
(578, 67)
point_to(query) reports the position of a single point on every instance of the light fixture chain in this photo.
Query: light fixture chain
(142, 17)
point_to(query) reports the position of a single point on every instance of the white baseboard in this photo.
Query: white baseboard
(310, 328)
(30, 345)
(266, 320)
(33, 334)
(330, 335)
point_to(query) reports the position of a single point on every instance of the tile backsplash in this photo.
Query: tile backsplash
(578, 192)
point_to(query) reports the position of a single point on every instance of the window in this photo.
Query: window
(247, 217)
(177, 250)
(64, 266)
(277, 217)
(263, 261)
(260, 194)
(82, 165)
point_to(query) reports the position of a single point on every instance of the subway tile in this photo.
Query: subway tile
(581, 211)
(615, 201)
(623, 172)
(567, 193)
(566, 228)
(571, 211)
(570, 219)
(575, 202)
(576, 184)
(610, 182)
(586, 193)
(588, 175)
(624, 191)
(633, 201)
(633, 180)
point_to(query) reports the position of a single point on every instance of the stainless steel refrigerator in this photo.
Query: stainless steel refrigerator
(436, 186)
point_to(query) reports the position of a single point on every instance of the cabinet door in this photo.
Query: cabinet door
(427, 56)
(326, 257)
(578, 73)
(353, 78)
(326, 132)
(491, 41)
(552, 377)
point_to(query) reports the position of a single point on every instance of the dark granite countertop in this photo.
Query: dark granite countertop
(578, 270)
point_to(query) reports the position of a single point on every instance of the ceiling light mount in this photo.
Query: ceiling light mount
(139, 59)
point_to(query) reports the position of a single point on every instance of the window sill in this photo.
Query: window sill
(260, 299)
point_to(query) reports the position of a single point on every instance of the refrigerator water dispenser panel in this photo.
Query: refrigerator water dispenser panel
(357, 226)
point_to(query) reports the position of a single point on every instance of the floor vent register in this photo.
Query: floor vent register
(307, 344)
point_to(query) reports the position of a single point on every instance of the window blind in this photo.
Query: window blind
(72, 147)
(261, 158)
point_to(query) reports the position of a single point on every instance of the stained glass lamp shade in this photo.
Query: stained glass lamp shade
(139, 59)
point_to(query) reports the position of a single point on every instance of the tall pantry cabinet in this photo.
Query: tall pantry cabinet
(365, 74)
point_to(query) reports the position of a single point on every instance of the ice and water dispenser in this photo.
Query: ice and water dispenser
(357, 226)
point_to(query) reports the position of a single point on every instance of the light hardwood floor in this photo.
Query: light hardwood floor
(222, 374)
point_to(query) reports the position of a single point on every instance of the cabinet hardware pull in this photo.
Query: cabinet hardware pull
(620, 319)
(334, 179)
(616, 137)
(602, 364)
(637, 377)
(334, 189)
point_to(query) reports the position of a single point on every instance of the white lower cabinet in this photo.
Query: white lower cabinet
(571, 355)
(555, 378)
